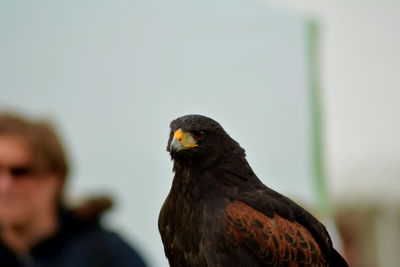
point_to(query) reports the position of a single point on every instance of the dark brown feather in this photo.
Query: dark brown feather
(274, 240)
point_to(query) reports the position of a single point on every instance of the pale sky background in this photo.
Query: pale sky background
(112, 75)
(360, 72)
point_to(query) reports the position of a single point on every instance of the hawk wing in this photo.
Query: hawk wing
(274, 241)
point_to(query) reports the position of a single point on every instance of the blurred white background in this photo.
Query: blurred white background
(360, 74)
(113, 75)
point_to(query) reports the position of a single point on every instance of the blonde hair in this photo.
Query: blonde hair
(47, 149)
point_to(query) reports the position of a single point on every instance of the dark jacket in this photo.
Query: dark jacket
(78, 243)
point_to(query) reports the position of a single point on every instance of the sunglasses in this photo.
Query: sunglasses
(18, 171)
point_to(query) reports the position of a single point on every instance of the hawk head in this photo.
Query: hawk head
(196, 139)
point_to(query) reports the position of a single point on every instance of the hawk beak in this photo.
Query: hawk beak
(182, 140)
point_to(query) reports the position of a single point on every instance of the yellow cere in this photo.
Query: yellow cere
(186, 139)
(178, 135)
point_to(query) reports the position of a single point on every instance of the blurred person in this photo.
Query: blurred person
(36, 229)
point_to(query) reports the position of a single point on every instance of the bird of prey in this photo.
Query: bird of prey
(218, 213)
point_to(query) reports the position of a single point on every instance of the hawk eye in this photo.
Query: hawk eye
(198, 134)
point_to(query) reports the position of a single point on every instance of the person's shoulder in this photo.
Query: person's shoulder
(122, 253)
(102, 246)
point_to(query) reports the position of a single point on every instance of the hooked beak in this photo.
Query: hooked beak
(182, 140)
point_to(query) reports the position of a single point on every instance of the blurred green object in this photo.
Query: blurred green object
(323, 204)
(317, 147)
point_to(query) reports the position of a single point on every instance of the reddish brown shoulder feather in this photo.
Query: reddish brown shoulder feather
(274, 241)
